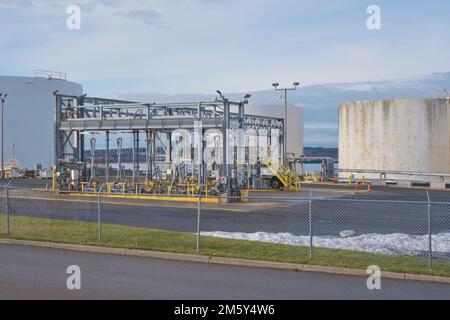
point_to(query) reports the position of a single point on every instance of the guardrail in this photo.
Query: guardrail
(50, 74)
(396, 172)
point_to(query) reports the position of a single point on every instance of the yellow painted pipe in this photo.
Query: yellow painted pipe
(54, 180)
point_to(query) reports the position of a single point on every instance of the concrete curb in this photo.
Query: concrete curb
(147, 197)
(224, 261)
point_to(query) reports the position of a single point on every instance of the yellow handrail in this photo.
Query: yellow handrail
(287, 177)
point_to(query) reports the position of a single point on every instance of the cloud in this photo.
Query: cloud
(149, 17)
(16, 3)
(239, 45)
(110, 3)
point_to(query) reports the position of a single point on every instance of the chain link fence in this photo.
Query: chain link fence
(397, 235)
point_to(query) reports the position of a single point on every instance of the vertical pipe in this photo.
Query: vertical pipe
(285, 127)
(93, 145)
(147, 155)
(137, 157)
(199, 142)
(226, 126)
(134, 156)
(81, 151)
(169, 147)
(119, 159)
(241, 147)
(241, 115)
(54, 178)
(107, 157)
(153, 153)
(199, 211)
(3, 164)
(57, 119)
(257, 175)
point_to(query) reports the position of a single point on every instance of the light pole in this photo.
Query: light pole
(2, 99)
(276, 86)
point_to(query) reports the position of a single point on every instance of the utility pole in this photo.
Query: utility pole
(276, 86)
(2, 99)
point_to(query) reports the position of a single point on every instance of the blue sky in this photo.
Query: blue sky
(197, 46)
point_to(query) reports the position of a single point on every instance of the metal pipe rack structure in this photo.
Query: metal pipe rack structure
(75, 117)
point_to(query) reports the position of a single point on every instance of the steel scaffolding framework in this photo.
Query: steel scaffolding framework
(77, 115)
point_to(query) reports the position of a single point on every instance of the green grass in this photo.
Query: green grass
(75, 232)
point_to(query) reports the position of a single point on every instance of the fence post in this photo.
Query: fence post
(7, 210)
(7, 206)
(99, 217)
(199, 209)
(310, 228)
(198, 134)
(430, 243)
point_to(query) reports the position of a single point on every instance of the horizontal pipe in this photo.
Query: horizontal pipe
(145, 116)
(407, 173)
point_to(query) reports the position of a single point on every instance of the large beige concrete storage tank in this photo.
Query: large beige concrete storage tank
(406, 135)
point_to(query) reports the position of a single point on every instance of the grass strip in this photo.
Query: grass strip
(118, 236)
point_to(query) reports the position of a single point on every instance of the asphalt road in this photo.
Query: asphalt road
(40, 273)
(330, 214)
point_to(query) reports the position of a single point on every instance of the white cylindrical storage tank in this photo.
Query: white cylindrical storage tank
(294, 123)
(395, 135)
(29, 117)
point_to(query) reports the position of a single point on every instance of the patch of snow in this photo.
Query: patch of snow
(393, 244)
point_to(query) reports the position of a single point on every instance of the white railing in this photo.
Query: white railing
(50, 75)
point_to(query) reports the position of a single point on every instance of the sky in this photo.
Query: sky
(198, 46)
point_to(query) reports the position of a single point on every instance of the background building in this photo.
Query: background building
(294, 123)
(29, 116)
